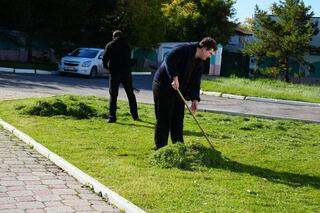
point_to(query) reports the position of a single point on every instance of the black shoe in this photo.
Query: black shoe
(111, 121)
(137, 119)
(155, 148)
(136, 90)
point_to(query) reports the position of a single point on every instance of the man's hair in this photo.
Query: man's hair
(208, 43)
(117, 34)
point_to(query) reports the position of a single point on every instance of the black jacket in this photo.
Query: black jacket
(117, 56)
(181, 62)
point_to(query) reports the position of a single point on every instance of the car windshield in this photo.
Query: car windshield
(84, 53)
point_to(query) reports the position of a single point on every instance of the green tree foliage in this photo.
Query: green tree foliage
(63, 24)
(70, 23)
(26, 16)
(191, 20)
(247, 24)
(141, 20)
(94, 31)
(282, 38)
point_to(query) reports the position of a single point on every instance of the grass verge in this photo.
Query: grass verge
(262, 88)
(25, 65)
(266, 165)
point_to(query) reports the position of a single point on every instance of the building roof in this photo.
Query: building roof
(240, 30)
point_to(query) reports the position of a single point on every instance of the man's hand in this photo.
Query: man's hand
(194, 106)
(175, 83)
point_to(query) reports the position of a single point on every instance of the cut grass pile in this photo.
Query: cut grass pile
(190, 156)
(70, 107)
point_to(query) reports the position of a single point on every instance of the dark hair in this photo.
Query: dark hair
(117, 34)
(208, 43)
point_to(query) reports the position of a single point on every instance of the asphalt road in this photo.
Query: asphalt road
(16, 86)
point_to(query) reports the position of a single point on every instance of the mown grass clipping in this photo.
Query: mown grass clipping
(190, 156)
(71, 107)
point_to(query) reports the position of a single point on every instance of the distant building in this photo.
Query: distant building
(13, 48)
(314, 57)
(233, 61)
(148, 58)
(238, 41)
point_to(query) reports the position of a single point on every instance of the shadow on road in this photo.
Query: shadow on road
(26, 81)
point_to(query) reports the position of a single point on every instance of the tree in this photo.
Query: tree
(191, 20)
(50, 20)
(247, 24)
(94, 31)
(141, 20)
(28, 19)
(282, 38)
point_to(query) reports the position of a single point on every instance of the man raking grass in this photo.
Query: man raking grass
(181, 70)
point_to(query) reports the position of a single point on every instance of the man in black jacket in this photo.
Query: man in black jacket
(181, 69)
(117, 58)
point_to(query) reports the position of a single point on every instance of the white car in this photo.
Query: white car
(84, 61)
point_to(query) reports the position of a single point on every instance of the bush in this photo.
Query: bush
(269, 72)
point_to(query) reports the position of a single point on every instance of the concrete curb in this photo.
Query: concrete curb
(82, 177)
(27, 71)
(6, 70)
(253, 98)
(279, 101)
(239, 97)
(45, 72)
(217, 94)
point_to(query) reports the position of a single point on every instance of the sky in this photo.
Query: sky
(245, 8)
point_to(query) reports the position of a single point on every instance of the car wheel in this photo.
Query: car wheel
(63, 73)
(93, 72)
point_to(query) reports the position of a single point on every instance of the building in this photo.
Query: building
(234, 62)
(13, 48)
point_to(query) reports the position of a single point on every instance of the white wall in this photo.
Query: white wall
(316, 39)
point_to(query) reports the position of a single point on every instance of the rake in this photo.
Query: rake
(194, 117)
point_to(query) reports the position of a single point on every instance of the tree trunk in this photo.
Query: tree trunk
(29, 46)
(287, 74)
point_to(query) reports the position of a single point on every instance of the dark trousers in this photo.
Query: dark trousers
(126, 81)
(169, 111)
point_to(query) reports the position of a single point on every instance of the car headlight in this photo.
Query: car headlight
(86, 64)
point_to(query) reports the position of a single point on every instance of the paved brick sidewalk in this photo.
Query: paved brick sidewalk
(30, 182)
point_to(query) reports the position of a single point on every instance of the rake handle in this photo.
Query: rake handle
(194, 117)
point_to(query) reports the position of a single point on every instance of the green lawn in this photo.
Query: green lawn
(262, 88)
(267, 165)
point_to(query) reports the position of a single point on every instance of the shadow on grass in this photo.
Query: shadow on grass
(291, 179)
(193, 133)
(194, 156)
